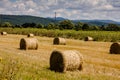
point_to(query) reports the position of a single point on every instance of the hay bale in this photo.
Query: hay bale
(30, 35)
(62, 61)
(3, 33)
(115, 48)
(28, 43)
(59, 41)
(88, 38)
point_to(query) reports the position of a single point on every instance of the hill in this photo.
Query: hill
(58, 18)
(21, 19)
(91, 22)
(98, 22)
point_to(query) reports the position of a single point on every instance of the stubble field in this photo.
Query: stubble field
(16, 64)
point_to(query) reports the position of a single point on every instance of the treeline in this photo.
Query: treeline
(66, 24)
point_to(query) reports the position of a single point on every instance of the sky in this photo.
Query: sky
(70, 9)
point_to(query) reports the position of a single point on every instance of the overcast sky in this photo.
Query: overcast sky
(71, 9)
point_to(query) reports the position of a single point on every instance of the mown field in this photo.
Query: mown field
(16, 64)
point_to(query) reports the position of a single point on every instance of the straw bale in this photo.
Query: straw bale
(3, 33)
(30, 35)
(62, 61)
(59, 41)
(115, 48)
(28, 43)
(88, 38)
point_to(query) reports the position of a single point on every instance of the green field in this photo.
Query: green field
(16, 64)
(106, 36)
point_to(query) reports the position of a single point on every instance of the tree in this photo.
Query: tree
(17, 26)
(112, 27)
(103, 27)
(33, 25)
(0, 25)
(78, 26)
(66, 24)
(51, 26)
(94, 28)
(26, 25)
(40, 25)
(6, 24)
(85, 27)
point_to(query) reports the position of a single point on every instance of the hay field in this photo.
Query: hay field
(16, 64)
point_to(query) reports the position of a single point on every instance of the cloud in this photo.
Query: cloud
(114, 3)
(72, 9)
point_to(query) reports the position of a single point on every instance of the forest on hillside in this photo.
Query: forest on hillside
(25, 21)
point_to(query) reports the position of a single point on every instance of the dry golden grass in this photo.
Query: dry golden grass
(97, 60)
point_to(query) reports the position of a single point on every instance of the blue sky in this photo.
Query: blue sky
(71, 9)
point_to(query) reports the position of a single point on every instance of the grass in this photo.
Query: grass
(16, 64)
(106, 36)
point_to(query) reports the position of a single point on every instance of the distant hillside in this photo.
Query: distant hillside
(91, 22)
(21, 19)
(98, 22)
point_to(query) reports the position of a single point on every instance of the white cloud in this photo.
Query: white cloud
(21, 6)
(31, 10)
(72, 9)
(30, 4)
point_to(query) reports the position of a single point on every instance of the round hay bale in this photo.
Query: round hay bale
(62, 61)
(115, 48)
(28, 43)
(88, 38)
(3, 33)
(30, 35)
(59, 41)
